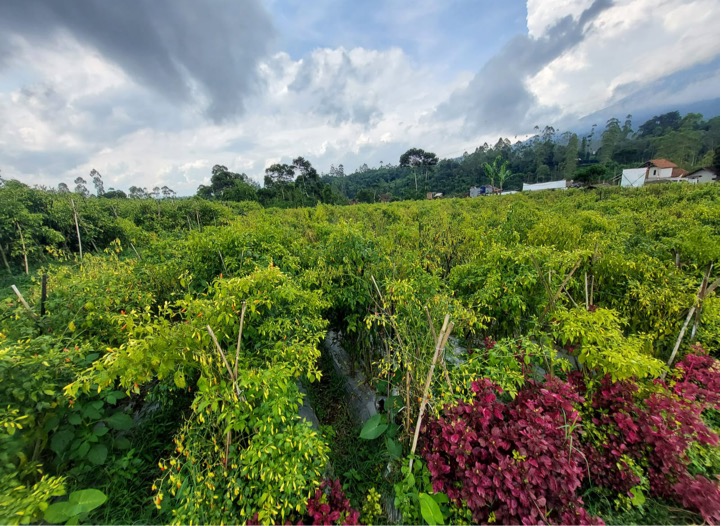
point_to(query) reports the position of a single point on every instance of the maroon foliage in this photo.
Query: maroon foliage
(516, 461)
(656, 433)
(330, 506)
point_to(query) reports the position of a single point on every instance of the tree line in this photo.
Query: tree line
(596, 157)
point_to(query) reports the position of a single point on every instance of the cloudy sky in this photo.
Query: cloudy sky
(155, 92)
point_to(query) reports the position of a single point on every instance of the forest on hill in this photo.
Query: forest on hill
(599, 156)
(539, 357)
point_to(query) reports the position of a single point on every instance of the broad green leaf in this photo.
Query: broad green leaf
(373, 428)
(75, 419)
(86, 500)
(122, 443)
(639, 499)
(430, 510)
(61, 440)
(97, 454)
(120, 421)
(58, 512)
(100, 429)
(395, 449)
(441, 498)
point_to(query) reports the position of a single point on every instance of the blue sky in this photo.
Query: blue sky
(156, 92)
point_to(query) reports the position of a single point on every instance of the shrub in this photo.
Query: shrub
(510, 463)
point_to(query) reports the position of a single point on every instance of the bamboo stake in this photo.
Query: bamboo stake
(25, 252)
(442, 339)
(697, 302)
(240, 335)
(408, 400)
(225, 361)
(77, 228)
(442, 357)
(222, 261)
(135, 250)
(554, 298)
(22, 300)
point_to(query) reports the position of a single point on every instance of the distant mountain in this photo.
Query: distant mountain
(685, 91)
(708, 108)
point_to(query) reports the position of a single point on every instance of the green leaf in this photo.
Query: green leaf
(114, 396)
(441, 498)
(91, 412)
(82, 501)
(58, 512)
(395, 449)
(86, 500)
(373, 428)
(61, 440)
(82, 450)
(179, 379)
(122, 443)
(639, 499)
(75, 419)
(430, 510)
(100, 429)
(120, 421)
(97, 454)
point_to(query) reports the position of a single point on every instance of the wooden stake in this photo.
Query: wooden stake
(222, 261)
(408, 399)
(25, 252)
(442, 339)
(43, 293)
(240, 335)
(442, 357)
(22, 300)
(225, 361)
(135, 250)
(77, 228)
(700, 295)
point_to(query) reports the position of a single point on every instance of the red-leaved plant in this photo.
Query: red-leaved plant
(329, 505)
(515, 463)
(656, 433)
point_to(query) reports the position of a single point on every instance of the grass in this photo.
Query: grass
(127, 481)
(359, 464)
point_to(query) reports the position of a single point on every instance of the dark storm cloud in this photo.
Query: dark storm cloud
(497, 96)
(174, 47)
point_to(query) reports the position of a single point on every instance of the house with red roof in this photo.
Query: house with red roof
(653, 171)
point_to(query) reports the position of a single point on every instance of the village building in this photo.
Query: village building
(653, 171)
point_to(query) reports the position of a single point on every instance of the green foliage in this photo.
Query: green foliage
(78, 505)
(602, 346)
(371, 513)
(121, 374)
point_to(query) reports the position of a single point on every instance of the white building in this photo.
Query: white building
(653, 171)
(702, 175)
(551, 185)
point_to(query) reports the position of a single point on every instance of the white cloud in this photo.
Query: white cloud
(634, 42)
(65, 108)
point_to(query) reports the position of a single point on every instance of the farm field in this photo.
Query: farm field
(532, 358)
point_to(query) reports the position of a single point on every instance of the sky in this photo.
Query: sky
(156, 92)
